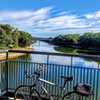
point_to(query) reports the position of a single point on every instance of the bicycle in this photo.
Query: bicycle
(30, 92)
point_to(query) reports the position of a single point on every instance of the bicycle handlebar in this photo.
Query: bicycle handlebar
(37, 72)
(67, 78)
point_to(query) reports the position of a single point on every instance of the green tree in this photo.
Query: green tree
(11, 37)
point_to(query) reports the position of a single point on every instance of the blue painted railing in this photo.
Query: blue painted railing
(12, 72)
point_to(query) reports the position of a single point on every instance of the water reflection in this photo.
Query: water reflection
(77, 61)
(42, 46)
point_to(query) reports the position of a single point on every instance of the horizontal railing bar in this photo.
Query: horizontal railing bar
(55, 54)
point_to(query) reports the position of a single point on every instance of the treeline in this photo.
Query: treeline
(11, 37)
(87, 40)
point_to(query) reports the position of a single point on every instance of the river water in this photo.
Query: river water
(83, 70)
(45, 47)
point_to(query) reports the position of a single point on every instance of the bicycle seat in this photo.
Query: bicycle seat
(83, 89)
(67, 78)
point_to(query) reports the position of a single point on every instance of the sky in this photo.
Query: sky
(44, 18)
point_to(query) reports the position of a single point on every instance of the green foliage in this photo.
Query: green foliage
(72, 38)
(11, 37)
(24, 39)
(68, 39)
(90, 40)
(87, 40)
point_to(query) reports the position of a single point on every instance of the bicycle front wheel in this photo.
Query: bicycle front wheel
(69, 96)
(25, 92)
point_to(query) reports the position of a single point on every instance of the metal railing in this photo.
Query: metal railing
(12, 72)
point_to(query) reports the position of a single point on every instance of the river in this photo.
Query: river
(77, 61)
(83, 70)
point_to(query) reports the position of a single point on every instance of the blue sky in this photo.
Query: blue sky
(51, 17)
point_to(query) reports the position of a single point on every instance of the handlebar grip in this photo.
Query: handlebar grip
(70, 78)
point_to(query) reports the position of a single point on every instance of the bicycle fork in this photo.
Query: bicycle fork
(51, 98)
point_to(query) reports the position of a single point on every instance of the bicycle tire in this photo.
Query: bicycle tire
(70, 96)
(25, 92)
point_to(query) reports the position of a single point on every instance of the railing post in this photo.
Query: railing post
(97, 90)
(6, 71)
(71, 70)
(47, 59)
(0, 77)
(71, 61)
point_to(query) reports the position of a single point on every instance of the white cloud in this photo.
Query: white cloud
(42, 21)
(94, 20)
(95, 15)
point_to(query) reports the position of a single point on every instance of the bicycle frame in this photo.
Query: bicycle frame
(38, 79)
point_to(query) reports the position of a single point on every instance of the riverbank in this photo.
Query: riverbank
(11, 56)
(64, 47)
(90, 42)
(15, 55)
